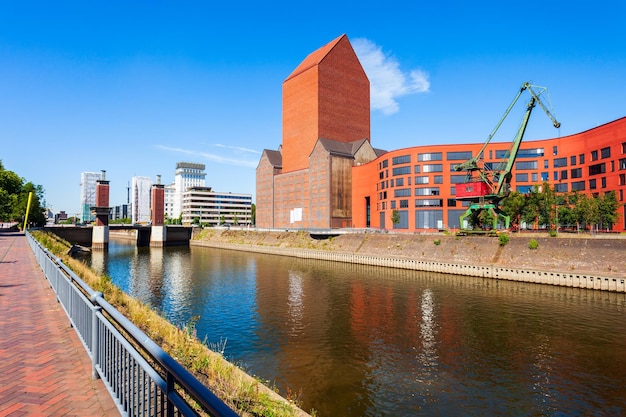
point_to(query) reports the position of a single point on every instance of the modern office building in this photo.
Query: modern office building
(88, 195)
(141, 200)
(202, 205)
(326, 173)
(187, 174)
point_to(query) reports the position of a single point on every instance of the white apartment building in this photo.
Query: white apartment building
(204, 206)
(187, 174)
(141, 200)
(88, 181)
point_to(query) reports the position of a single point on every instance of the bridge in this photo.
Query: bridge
(175, 235)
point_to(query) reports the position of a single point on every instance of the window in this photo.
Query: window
(381, 175)
(404, 203)
(404, 159)
(603, 182)
(427, 191)
(560, 162)
(404, 220)
(502, 154)
(576, 172)
(544, 176)
(521, 177)
(401, 170)
(594, 155)
(605, 153)
(524, 189)
(597, 169)
(555, 150)
(428, 219)
(458, 156)
(417, 169)
(530, 153)
(555, 174)
(578, 186)
(435, 156)
(451, 202)
(546, 164)
(534, 177)
(428, 203)
(564, 174)
(393, 204)
(458, 179)
(592, 184)
(622, 179)
(581, 158)
(623, 147)
(433, 168)
(438, 179)
(399, 182)
(560, 188)
(421, 180)
(453, 167)
(526, 165)
(572, 160)
(402, 192)
(385, 164)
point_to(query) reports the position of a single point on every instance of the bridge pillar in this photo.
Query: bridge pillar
(158, 235)
(100, 236)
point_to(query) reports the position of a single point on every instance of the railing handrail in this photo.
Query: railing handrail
(175, 372)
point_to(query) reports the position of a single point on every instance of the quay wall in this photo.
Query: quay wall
(577, 262)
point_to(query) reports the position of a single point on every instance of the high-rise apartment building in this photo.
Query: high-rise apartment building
(187, 174)
(205, 206)
(141, 196)
(88, 195)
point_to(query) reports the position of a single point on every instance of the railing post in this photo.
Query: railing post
(95, 336)
(169, 380)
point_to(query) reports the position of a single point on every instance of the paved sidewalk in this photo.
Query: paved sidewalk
(44, 368)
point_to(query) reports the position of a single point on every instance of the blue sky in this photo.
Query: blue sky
(134, 87)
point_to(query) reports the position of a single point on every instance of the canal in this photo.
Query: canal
(350, 340)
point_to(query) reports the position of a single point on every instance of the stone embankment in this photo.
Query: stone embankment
(566, 260)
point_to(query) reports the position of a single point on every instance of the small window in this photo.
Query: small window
(605, 152)
(555, 150)
(572, 160)
(592, 184)
(594, 155)
(581, 158)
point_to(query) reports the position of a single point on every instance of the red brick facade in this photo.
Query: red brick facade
(307, 184)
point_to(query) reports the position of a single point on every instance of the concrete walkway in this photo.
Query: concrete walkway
(44, 368)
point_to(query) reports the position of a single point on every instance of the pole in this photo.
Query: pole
(30, 198)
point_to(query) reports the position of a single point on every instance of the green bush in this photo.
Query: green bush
(533, 244)
(437, 241)
(504, 239)
(552, 233)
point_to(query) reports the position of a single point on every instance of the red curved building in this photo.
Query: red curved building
(420, 182)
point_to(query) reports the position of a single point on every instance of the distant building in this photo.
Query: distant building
(204, 206)
(60, 217)
(141, 195)
(188, 174)
(88, 195)
(120, 212)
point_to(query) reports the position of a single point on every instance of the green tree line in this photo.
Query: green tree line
(14, 191)
(545, 208)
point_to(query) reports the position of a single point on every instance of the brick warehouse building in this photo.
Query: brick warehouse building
(326, 174)
(326, 127)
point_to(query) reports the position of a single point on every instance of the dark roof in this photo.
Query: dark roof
(275, 158)
(348, 149)
(379, 152)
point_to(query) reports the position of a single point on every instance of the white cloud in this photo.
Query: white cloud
(387, 81)
(214, 157)
(237, 148)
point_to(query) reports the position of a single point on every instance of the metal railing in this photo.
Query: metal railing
(142, 378)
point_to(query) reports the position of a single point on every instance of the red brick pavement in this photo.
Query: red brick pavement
(44, 368)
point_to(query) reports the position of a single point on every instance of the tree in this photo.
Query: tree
(513, 205)
(607, 210)
(395, 217)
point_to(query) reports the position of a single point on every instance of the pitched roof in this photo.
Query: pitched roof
(275, 158)
(315, 57)
(348, 149)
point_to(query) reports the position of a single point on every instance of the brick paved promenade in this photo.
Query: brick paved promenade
(44, 368)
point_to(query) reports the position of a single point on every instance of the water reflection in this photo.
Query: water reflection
(359, 341)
